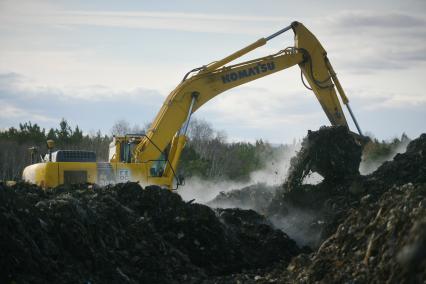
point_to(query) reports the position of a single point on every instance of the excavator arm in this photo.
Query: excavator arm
(202, 84)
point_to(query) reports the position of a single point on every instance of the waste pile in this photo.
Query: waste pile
(404, 168)
(257, 197)
(127, 234)
(380, 241)
(371, 228)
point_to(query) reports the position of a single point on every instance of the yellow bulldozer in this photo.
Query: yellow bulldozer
(153, 157)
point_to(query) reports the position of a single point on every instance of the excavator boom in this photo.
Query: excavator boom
(152, 158)
(215, 78)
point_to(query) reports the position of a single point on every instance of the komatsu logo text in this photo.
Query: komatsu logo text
(256, 70)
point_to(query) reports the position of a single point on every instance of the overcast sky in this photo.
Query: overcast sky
(95, 62)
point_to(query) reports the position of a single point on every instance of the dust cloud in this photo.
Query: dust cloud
(273, 174)
(204, 190)
(367, 167)
(302, 226)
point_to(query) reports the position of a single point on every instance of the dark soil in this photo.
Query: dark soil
(406, 167)
(126, 234)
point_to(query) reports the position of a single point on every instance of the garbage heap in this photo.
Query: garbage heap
(381, 241)
(127, 234)
(372, 229)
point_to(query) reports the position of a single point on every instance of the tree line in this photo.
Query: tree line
(16, 142)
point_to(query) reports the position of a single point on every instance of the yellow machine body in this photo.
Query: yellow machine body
(120, 168)
(51, 174)
(153, 158)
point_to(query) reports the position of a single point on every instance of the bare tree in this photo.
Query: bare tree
(121, 127)
(200, 130)
(199, 133)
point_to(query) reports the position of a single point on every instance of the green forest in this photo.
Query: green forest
(207, 154)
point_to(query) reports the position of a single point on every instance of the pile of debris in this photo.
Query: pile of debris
(126, 234)
(371, 228)
(406, 167)
(383, 241)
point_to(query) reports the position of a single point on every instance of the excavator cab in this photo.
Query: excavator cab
(122, 148)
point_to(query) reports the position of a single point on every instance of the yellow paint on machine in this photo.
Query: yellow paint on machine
(51, 174)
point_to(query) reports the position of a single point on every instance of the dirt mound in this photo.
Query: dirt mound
(261, 242)
(126, 234)
(406, 167)
(372, 228)
(382, 241)
(256, 197)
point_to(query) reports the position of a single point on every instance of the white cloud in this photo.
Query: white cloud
(263, 109)
(9, 111)
(373, 100)
(56, 16)
(16, 86)
(388, 20)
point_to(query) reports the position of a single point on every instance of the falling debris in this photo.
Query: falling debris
(332, 152)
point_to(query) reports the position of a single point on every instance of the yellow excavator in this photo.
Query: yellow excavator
(153, 157)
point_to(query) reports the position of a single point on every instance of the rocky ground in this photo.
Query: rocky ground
(347, 229)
